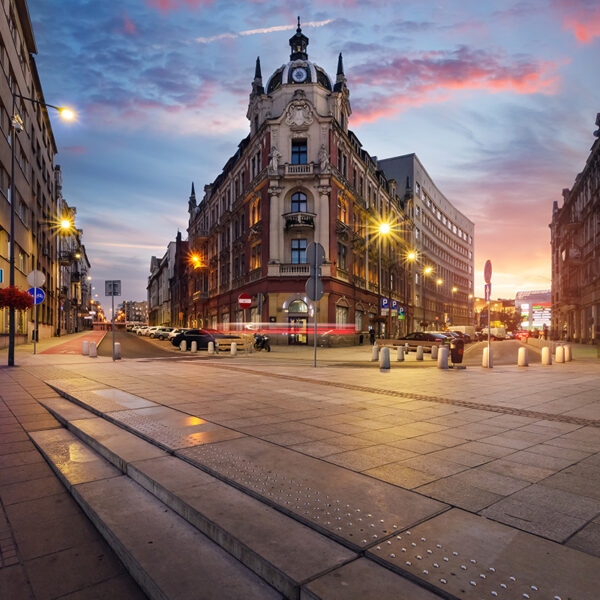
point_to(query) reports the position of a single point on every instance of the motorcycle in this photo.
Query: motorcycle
(261, 342)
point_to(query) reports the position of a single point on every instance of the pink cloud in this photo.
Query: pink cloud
(436, 76)
(74, 150)
(129, 26)
(584, 27)
(166, 6)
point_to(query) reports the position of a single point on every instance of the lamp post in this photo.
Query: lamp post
(384, 229)
(454, 290)
(16, 124)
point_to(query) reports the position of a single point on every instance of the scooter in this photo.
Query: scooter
(261, 342)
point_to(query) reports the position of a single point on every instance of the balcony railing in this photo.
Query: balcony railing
(200, 295)
(306, 169)
(254, 274)
(297, 220)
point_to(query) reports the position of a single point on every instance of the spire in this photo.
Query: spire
(257, 86)
(298, 44)
(340, 69)
(340, 80)
(193, 194)
(192, 200)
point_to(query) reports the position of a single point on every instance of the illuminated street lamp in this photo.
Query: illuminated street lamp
(16, 125)
(384, 229)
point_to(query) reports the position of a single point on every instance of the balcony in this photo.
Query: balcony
(299, 220)
(306, 169)
(200, 295)
(343, 275)
(254, 274)
(66, 257)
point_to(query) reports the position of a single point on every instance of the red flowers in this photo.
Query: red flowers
(13, 297)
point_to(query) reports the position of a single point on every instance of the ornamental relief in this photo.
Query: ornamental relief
(299, 115)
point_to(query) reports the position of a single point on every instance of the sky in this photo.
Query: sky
(498, 100)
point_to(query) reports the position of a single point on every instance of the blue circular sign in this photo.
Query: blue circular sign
(38, 295)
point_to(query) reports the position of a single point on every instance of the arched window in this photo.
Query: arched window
(299, 202)
(297, 306)
(342, 210)
(255, 211)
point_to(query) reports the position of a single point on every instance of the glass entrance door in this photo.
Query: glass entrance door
(297, 333)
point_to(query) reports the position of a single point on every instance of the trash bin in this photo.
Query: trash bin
(457, 349)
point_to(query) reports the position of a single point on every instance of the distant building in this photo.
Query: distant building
(135, 311)
(503, 313)
(443, 241)
(535, 309)
(575, 239)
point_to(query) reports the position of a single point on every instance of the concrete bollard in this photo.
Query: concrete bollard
(546, 356)
(400, 354)
(375, 353)
(233, 349)
(117, 350)
(211, 347)
(92, 350)
(523, 359)
(568, 353)
(183, 346)
(560, 354)
(486, 360)
(85, 347)
(194, 347)
(419, 352)
(442, 357)
(384, 359)
(434, 352)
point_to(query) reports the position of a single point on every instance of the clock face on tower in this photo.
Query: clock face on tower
(299, 75)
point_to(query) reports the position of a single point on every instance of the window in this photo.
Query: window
(255, 257)
(255, 211)
(342, 210)
(299, 151)
(298, 252)
(341, 261)
(341, 315)
(299, 202)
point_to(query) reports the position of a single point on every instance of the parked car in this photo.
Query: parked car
(160, 333)
(150, 330)
(202, 337)
(426, 339)
(176, 331)
(140, 330)
(522, 335)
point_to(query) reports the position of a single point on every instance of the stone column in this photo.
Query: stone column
(275, 225)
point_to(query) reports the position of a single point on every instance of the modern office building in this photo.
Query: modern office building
(443, 241)
(302, 176)
(575, 240)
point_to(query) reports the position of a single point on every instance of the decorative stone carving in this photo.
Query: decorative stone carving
(323, 157)
(275, 157)
(299, 115)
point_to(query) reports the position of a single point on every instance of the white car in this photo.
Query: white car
(175, 332)
(150, 331)
(161, 333)
(140, 330)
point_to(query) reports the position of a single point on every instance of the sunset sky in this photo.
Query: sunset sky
(498, 100)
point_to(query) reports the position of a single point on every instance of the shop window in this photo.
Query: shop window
(297, 306)
(298, 251)
(299, 152)
(299, 202)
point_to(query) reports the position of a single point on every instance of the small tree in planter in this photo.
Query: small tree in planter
(11, 297)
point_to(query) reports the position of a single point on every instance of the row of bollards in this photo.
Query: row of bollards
(91, 349)
(211, 348)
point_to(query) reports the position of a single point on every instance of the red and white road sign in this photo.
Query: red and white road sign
(244, 301)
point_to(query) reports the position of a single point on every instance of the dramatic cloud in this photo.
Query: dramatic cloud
(436, 76)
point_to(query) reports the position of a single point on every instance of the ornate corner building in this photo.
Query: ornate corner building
(302, 176)
(575, 239)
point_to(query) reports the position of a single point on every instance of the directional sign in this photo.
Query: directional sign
(112, 287)
(38, 295)
(487, 271)
(488, 291)
(314, 288)
(244, 301)
(36, 279)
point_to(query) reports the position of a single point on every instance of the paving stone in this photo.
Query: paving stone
(476, 556)
(121, 587)
(73, 461)
(25, 472)
(282, 551)
(369, 458)
(178, 565)
(587, 539)
(458, 455)
(487, 480)
(363, 579)
(30, 490)
(534, 459)
(113, 443)
(13, 584)
(15, 447)
(20, 458)
(503, 466)
(65, 410)
(345, 504)
(557, 452)
(570, 480)
(460, 494)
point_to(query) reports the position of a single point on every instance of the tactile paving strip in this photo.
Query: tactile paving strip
(506, 410)
(344, 513)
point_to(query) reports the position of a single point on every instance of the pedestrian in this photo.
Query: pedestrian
(371, 336)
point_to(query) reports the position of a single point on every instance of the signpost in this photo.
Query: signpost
(112, 288)
(36, 280)
(315, 256)
(244, 302)
(487, 275)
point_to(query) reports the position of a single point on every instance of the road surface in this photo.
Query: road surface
(134, 346)
(503, 353)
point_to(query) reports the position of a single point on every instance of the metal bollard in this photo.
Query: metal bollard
(442, 357)
(546, 356)
(434, 352)
(523, 359)
(560, 354)
(92, 350)
(85, 347)
(211, 347)
(486, 360)
(117, 350)
(419, 352)
(384, 359)
(375, 353)
(194, 347)
(400, 354)
(568, 353)
(233, 349)
(183, 346)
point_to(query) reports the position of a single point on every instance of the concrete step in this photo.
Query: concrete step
(166, 555)
(284, 552)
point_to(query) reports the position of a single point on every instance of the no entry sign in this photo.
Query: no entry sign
(244, 301)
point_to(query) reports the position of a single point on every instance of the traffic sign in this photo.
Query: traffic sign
(314, 288)
(36, 279)
(488, 291)
(244, 301)
(37, 294)
(112, 287)
(315, 254)
(487, 271)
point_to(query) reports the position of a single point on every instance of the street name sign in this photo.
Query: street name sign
(37, 294)
(244, 301)
(112, 287)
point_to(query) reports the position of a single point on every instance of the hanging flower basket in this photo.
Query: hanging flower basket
(11, 297)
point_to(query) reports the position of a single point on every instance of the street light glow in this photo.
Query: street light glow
(384, 228)
(412, 256)
(428, 270)
(440, 281)
(66, 113)
(454, 289)
(66, 224)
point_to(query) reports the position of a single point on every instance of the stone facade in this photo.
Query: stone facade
(575, 239)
